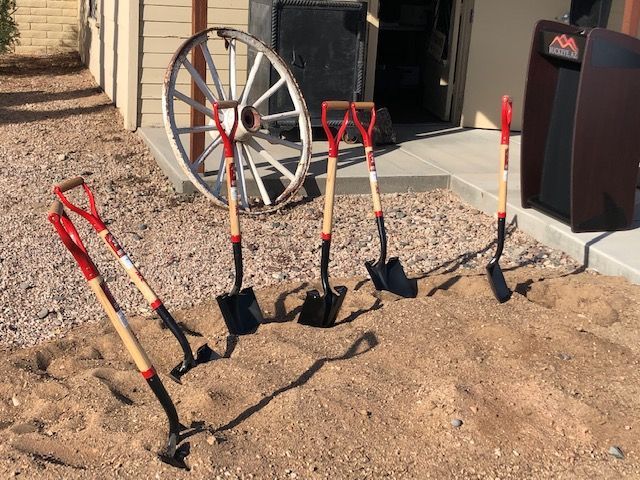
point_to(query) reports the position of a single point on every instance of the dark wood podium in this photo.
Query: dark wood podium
(581, 126)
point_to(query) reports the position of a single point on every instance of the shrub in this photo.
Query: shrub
(8, 27)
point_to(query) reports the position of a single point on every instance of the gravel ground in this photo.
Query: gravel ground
(55, 123)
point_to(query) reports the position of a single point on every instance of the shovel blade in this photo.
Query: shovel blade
(203, 355)
(241, 312)
(497, 282)
(391, 277)
(322, 310)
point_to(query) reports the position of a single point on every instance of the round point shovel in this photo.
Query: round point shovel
(385, 275)
(71, 239)
(204, 353)
(239, 307)
(322, 310)
(494, 272)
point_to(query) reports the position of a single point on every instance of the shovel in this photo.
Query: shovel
(322, 310)
(71, 239)
(385, 275)
(204, 353)
(494, 272)
(239, 307)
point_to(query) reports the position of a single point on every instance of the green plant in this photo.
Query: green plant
(8, 28)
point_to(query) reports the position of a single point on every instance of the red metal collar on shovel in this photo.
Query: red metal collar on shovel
(507, 112)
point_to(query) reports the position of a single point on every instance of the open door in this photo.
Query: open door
(440, 58)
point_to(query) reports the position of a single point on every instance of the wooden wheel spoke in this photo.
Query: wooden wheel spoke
(266, 95)
(201, 128)
(244, 197)
(192, 103)
(251, 78)
(279, 141)
(269, 158)
(202, 85)
(281, 116)
(207, 151)
(220, 176)
(256, 176)
(233, 83)
(212, 68)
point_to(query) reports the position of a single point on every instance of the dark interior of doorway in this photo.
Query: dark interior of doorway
(407, 30)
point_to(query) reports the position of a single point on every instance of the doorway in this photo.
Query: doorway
(421, 59)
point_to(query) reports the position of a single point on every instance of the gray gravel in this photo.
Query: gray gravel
(181, 243)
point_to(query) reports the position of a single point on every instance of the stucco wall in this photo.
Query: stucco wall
(47, 26)
(499, 56)
(108, 46)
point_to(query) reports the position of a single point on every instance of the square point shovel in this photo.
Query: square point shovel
(239, 307)
(385, 275)
(494, 272)
(204, 353)
(321, 310)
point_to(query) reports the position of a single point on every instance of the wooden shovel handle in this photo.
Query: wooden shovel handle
(336, 105)
(363, 105)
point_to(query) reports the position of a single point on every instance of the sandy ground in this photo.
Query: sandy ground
(544, 385)
(55, 124)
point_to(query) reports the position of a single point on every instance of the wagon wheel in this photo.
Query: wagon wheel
(273, 140)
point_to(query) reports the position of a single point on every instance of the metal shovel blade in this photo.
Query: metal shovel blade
(321, 310)
(390, 276)
(497, 282)
(241, 312)
(203, 355)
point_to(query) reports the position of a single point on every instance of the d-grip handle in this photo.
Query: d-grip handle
(334, 141)
(367, 134)
(363, 105)
(55, 208)
(69, 184)
(226, 104)
(336, 105)
(227, 139)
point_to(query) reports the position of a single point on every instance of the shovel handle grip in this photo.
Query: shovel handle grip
(69, 184)
(227, 138)
(55, 208)
(336, 105)
(367, 134)
(363, 105)
(334, 141)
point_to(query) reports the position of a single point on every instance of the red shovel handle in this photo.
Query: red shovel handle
(367, 135)
(71, 239)
(507, 112)
(334, 142)
(92, 216)
(227, 139)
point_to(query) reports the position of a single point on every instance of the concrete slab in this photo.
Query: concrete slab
(399, 171)
(464, 160)
(471, 157)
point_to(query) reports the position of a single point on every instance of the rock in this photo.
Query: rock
(24, 286)
(15, 401)
(42, 314)
(456, 422)
(564, 356)
(400, 214)
(62, 157)
(142, 226)
(279, 276)
(616, 452)
(211, 440)
(365, 413)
